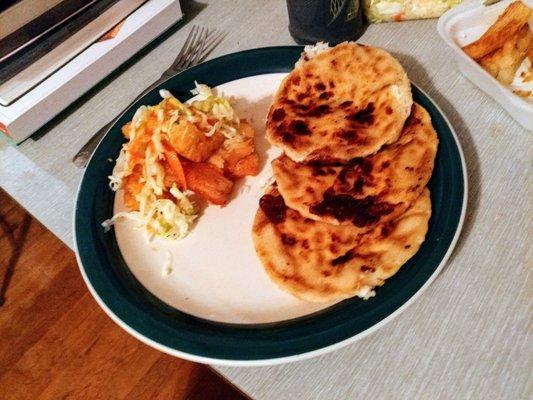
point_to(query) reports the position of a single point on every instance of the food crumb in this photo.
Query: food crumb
(267, 182)
(164, 93)
(244, 189)
(366, 292)
(167, 268)
(522, 93)
(527, 76)
(166, 271)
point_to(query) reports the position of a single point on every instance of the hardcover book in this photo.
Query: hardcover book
(37, 92)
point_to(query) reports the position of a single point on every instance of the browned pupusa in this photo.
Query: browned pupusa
(346, 102)
(320, 262)
(368, 190)
(350, 204)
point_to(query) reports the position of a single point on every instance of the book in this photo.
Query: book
(14, 14)
(55, 93)
(31, 30)
(19, 74)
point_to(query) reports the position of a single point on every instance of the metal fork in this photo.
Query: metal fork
(198, 44)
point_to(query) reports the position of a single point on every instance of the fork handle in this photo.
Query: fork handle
(82, 156)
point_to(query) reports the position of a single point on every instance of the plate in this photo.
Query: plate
(218, 305)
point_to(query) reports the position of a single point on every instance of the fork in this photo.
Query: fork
(198, 44)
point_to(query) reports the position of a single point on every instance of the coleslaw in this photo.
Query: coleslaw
(155, 195)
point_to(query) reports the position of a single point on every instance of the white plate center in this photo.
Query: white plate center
(216, 273)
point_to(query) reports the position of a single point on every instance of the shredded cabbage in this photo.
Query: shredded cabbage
(161, 217)
(169, 219)
(115, 179)
(167, 267)
(164, 93)
(162, 210)
(133, 215)
(311, 51)
(217, 107)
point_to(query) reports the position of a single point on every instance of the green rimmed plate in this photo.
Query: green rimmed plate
(218, 306)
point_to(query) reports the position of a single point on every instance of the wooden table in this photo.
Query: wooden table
(467, 335)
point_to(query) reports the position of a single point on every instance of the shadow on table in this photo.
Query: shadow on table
(15, 236)
(424, 81)
(191, 8)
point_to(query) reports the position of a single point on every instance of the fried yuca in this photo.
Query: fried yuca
(173, 149)
(504, 29)
(503, 63)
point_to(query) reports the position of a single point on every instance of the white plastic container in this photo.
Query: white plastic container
(466, 23)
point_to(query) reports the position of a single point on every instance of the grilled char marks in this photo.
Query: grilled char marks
(342, 259)
(320, 262)
(362, 191)
(303, 110)
(310, 101)
(319, 110)
(364, 116)
(288, 239)
(346, 104)
(353, 177)
(299, 127)
(353, 99)
(278, 114)
(343, 207)
(274, 207)
(320, 170)
(294, 129)
(313, 101)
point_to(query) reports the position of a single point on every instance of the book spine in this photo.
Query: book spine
(4, 130)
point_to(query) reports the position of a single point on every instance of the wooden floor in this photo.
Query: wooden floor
(56, 343)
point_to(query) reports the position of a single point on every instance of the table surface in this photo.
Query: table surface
(467, 335)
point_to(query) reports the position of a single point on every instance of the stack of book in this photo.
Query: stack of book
(53, 51)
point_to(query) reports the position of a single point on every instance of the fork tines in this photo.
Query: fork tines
(199, 43)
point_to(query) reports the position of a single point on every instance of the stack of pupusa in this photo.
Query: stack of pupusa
(349, 205)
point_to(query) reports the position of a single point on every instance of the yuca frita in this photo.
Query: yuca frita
(505, 45)
(349, 205)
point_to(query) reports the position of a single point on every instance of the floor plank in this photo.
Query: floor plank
(25, 319)
(56, 343)
(166, 380)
